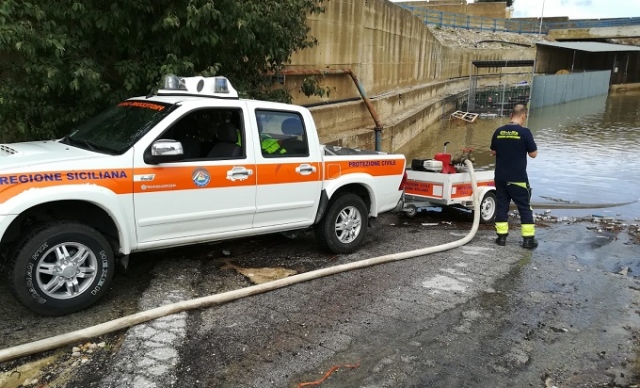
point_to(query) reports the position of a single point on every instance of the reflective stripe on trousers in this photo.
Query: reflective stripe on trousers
(528, 230)
(521, 184)
(502, 227)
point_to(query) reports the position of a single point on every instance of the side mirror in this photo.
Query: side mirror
(163, 151)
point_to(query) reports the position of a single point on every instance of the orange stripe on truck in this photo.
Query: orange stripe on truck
(382, 167)
(116, 180)
(168, 178)
(270, 174)
(189, 178)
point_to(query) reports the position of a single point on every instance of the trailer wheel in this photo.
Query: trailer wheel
(488, 208)
(410, 211)
(60, 268)
(344, 226)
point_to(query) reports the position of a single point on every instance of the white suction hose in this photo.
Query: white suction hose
(174, 308)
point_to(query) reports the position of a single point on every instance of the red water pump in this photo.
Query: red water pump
(442, 162)
(445, 158)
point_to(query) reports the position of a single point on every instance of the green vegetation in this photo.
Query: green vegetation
(63, 61)
(311, 87)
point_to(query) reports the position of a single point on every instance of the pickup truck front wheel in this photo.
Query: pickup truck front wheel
(60, 268)
(344, 226)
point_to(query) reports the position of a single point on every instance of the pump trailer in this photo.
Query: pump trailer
(445, 181)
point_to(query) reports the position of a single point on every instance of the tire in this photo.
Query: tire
(488, 208)
(344, 226)
(410, 211)
(44, 276)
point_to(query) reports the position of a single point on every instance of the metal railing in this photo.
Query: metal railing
(457, 20)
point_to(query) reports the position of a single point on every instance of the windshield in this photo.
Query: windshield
(118, 128)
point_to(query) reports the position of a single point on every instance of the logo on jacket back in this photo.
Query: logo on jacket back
(509, 135)
(201, 177)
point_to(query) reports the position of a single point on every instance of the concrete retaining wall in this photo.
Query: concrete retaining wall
(393, 53)
(405, 114)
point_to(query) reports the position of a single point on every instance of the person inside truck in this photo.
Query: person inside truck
(269, 144)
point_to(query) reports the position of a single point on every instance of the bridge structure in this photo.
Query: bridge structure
(587, 29)
(595, 33)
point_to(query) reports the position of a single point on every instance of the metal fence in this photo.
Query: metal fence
(497, 100)
(559, 88)
(456, 20)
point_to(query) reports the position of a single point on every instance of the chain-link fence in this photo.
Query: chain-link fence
(497, 100)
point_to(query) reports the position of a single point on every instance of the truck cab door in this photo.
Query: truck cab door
(207, 192)
(288, 169)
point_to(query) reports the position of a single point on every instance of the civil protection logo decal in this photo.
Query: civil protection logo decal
(201, 177)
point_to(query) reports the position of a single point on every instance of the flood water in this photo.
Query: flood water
(588, 152)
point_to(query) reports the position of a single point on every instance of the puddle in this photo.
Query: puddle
(26, 374)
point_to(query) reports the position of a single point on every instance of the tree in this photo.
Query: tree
(509, 2)
(63, 61)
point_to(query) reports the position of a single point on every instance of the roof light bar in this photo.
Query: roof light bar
(219, 87)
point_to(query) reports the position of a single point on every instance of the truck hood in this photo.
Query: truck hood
(15, 156)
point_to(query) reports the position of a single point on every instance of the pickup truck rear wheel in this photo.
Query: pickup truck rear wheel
(60, 268)
(344, 226)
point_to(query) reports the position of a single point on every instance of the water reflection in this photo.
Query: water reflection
(587, 151)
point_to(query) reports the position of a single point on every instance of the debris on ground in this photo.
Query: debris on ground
(260, 275)
(51, 371)
(326, 375)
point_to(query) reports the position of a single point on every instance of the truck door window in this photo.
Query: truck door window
(215, 133)
(282, 134)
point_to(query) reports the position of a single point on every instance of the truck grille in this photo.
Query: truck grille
(6, 150)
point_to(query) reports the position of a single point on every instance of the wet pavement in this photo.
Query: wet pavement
(476, 316)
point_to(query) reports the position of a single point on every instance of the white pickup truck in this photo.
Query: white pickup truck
(192, 163)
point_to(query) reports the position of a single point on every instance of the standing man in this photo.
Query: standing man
(510, 145)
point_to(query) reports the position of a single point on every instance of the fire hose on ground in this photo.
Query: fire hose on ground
(225, 297)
